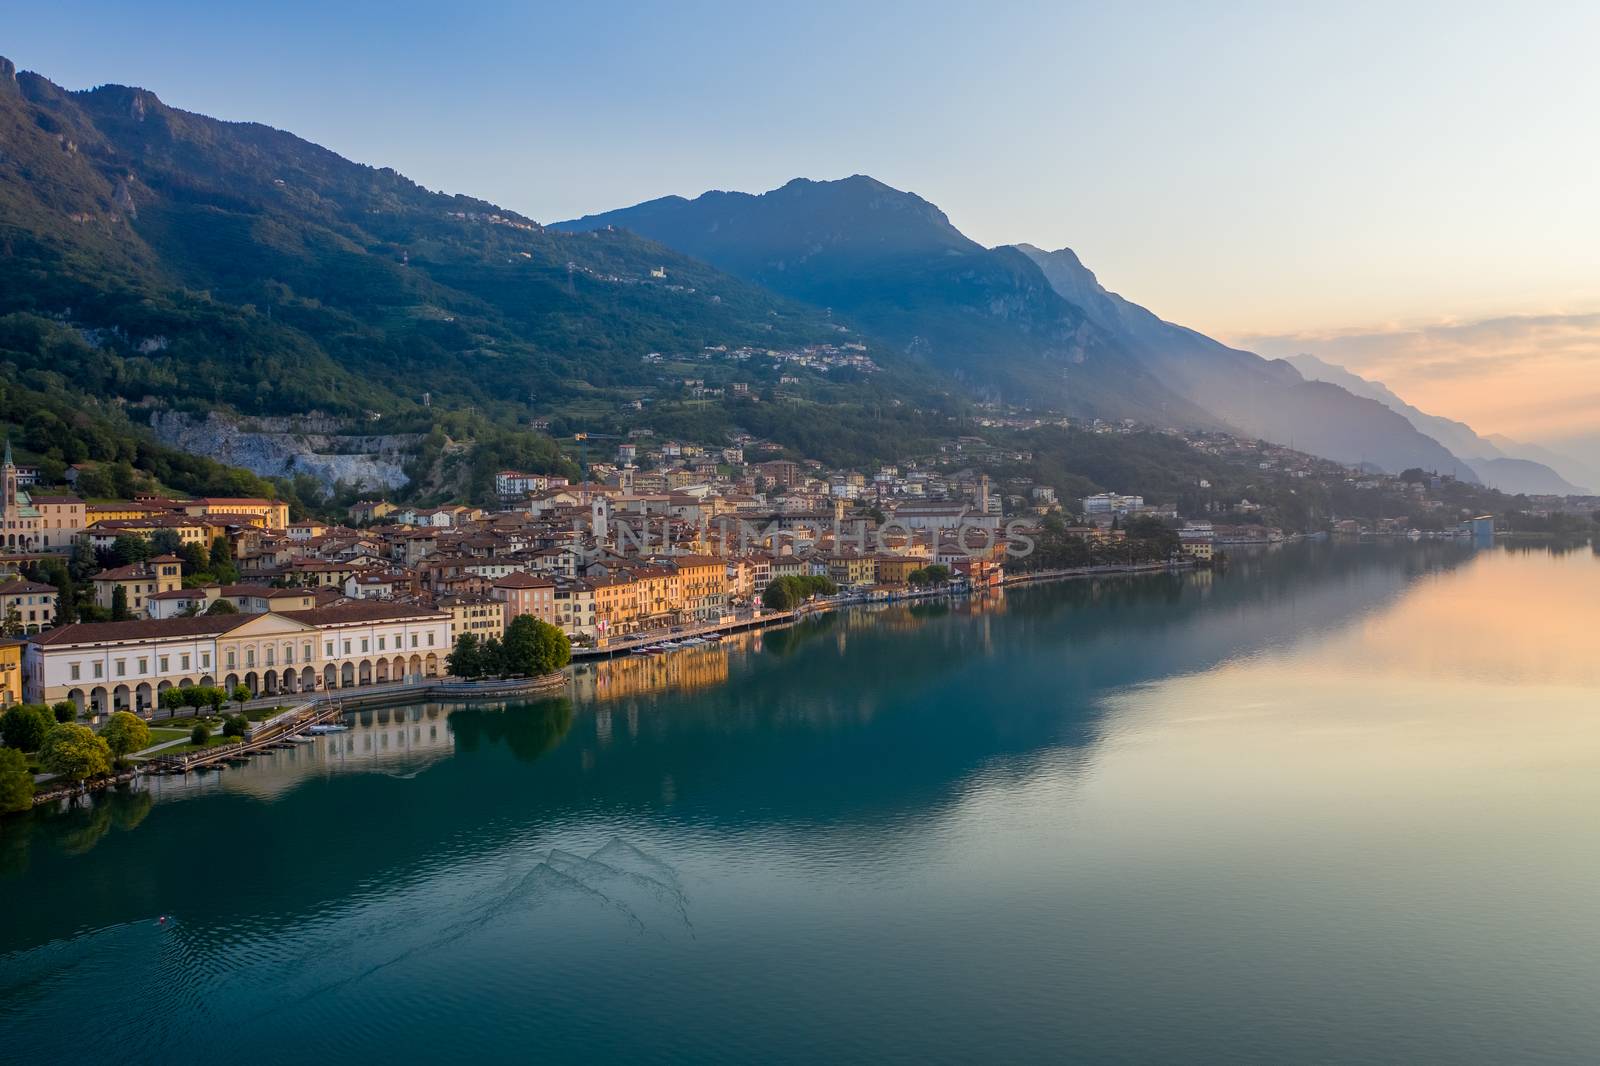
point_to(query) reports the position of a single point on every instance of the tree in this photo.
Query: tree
(778, 596)
(235, 725)
(172, 699)
(532, 648)
(166, 542)
(74, 752)
(12, 626)
(125, 734)
(16, 782)
(242, 694)
(220, 606)
(83, 562)
(466, 658)
(130, 548)
(199, 734)
(215, 696)
(65, 711)
(492, 658)
(26, 726)
(119, 604)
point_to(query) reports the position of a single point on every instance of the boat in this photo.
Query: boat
(669, 645)
(304, 740)
(327, 727)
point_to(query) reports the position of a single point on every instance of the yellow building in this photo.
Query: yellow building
(29, 606)
(484, 618)
(11, 672)
(139, 582)
(242, 510)
(702, 586)
(897, 569)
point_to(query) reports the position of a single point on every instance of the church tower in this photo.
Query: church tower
(8, 471)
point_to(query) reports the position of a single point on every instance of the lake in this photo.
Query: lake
(1340, 802)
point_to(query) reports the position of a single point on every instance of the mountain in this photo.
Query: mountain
(891, 264)
(1572, 462)
(1262, 398)
(1498, 467)
(168, 260)
(1025, 322)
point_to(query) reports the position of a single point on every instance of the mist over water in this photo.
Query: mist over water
(1336, 803)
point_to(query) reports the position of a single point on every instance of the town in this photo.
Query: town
(109, 603)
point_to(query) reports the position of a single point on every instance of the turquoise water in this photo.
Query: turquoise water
(1340, 803)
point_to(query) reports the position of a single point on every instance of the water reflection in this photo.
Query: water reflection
(1088, 788)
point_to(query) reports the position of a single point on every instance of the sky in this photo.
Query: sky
(1288, 175)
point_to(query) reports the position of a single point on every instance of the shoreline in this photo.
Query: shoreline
(327, 706)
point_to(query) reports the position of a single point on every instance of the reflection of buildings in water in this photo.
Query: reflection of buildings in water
(400, 740)
(686, 670)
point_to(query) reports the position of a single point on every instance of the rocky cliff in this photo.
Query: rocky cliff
(284, 447)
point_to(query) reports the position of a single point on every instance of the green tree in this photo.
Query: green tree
(492, 658)
(16, 782)
(199, 734)
(25, 726)
(130, 548)
(532, 648)
(12, 626)
(220, 606)
(172, 699)
(125, 734)
(242, 694)
(74, 752)
(778, 595)
(235, 725)
(119, 604)
(65, 711)
(466, 658)
(215, 696)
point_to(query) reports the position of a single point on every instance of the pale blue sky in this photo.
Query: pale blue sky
(1242, 168)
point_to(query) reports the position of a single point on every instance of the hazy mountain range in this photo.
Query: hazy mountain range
(1502, 463)
(152, 257)
(1026, 323)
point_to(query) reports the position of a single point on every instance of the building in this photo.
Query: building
(246, 599)
(11, 671)
(1110, 503)
(106, 666)
(139, 581)
(702, 586)
(780, 473)
(524, 593)
(19, 518)
(242, 510)
(481, 616)
(27, 606)
(61, 521)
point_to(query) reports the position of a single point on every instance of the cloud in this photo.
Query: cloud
(1527, 376)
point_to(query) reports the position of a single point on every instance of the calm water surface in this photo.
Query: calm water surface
(1341, 803)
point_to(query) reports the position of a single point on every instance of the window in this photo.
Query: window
(99, 670)
(430, 640)
(365, 645)
(231, 660)
(122, 668)
(380, 643)
(413, 640)
(305, 651)
(205, 660)
(183, 664)
(329, 652)
(249, 656)
(288, 653)
(144, 666)
(74, 671)
(163, 664)
(347, 647)
(272, 655)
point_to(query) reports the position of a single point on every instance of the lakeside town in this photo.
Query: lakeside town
(144, 606)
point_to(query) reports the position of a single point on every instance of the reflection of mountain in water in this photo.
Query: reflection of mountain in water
(842, 732)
